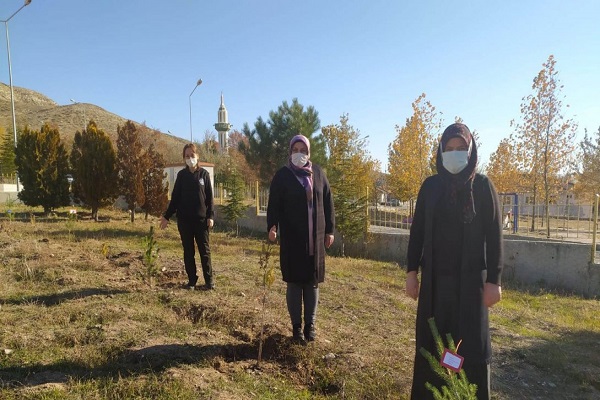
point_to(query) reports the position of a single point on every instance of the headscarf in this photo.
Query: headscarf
(459, 187)
(304, 173)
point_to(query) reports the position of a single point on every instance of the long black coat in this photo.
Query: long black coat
(288, 210)
(481, 263)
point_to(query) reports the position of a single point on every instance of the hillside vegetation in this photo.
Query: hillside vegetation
(33, 109)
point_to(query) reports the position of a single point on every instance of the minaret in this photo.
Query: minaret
(223, 126)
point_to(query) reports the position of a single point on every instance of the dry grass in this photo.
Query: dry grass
(78, 321)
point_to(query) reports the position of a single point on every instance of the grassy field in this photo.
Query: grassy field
(79, 319)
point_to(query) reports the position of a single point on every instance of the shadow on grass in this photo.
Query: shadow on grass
(571, 363)
(100, 234)
(58, 298)
(148, 360)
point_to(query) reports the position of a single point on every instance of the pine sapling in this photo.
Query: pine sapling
(71, 220)
(268, 277)
(150, 256)
(105, 250)
(457, 386)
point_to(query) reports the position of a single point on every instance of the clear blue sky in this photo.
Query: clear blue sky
(371, 59)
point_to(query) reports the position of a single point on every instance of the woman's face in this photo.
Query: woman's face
(189, 153)
(456, 144)
(300, 147)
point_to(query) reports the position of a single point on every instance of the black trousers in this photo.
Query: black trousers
(190, 230)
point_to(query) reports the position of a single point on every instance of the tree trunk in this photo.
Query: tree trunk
(547, 217)
(132, 214)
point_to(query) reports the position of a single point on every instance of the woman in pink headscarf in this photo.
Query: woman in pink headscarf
(301, 213)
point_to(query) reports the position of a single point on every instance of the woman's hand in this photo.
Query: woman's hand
(492, 294)
(163, 222)
(210, 223)
(273, 233)
(328, 241)
(412, 285)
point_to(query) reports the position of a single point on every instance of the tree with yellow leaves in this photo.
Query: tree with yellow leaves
(588, 177)
(351, 171)
(544, 138)
(503, 168)
(411, 156)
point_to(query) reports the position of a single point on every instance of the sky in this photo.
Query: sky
(371, 59)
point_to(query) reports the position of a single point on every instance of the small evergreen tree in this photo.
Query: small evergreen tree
(94, 168)
(131, 166)
(234, 186)
(7, 153)
(267, 271)
(42, 164)
(150, 257)
(457, 385)
(155, 187)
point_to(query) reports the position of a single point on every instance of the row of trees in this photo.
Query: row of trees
(256, 154)
(99, 173)
(539, 157)
(536, 158)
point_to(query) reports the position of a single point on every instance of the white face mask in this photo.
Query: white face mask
(191, 162)
(299, 159)
(455, 161)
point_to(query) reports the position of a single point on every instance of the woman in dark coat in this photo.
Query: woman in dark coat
(192, 200)
(301, 211)
(456, 241)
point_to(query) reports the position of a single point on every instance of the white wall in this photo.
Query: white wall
(173, 169)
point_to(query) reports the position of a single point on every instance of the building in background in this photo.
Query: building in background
(223, 126)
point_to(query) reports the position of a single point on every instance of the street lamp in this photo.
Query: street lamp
(197, 84)
(12, 95)
(84, 119)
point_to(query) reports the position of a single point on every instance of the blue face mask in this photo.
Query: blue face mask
(455, 161)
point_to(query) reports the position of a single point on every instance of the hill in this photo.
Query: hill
(33, 109)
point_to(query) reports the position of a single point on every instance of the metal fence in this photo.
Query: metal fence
(253, 193)
(10, 179)
(386, 216)
(567, 221)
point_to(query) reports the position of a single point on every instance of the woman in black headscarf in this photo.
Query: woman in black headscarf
(456, 241)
